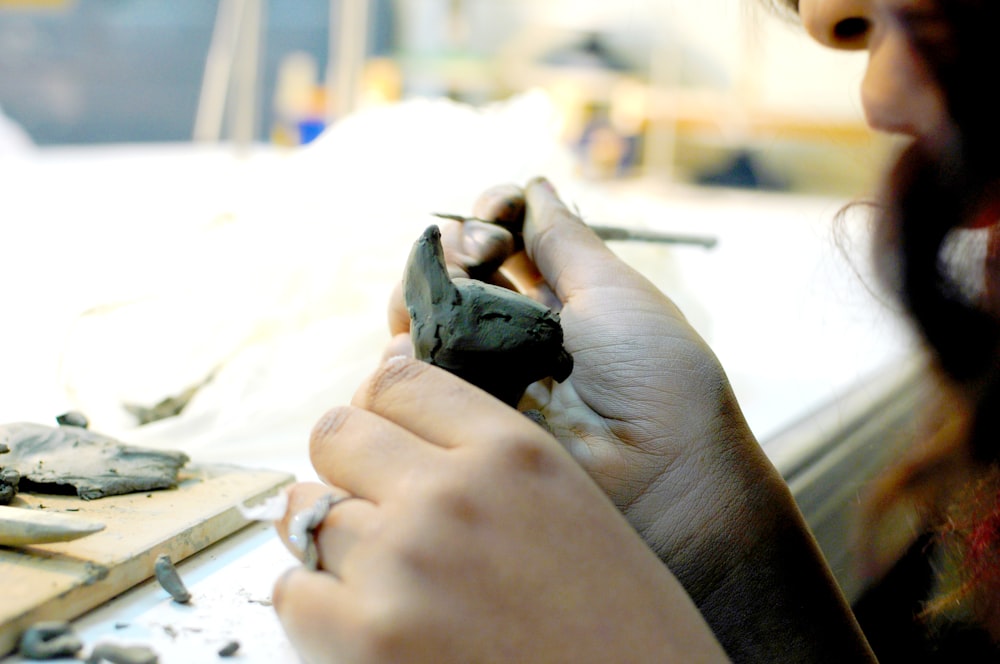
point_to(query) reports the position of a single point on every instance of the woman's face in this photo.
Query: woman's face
(897, 93)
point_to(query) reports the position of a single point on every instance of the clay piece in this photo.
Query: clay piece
(23, 527)
(229, 649)
(171, 581)
(9, 479)
(494, 338)
(49, 639)
(169, 406)
(70, 458)
(119, 654)
(73, 418)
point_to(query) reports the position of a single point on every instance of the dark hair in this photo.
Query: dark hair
(942, 183)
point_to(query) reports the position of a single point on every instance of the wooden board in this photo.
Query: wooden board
(61, 581)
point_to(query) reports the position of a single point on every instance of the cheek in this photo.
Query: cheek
(898, 93)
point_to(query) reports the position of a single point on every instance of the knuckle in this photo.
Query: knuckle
(527, 455)
(327, 427)
(394, 372)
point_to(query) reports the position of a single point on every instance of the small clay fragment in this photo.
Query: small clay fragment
(171, 581)
(169, 406)
(118, 654)
(54, 459)
(9, 479)
(73, 418)
(497, 339)
(229, 649)
(48, 640)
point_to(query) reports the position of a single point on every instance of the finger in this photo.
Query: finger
(523, 276)
(567, 252)
(474, 248)
(399, 316)
(365, 454)
(438, 407)
(339, 531)
(481, 249)
(400, 344)
(315, 610)
(502, 205)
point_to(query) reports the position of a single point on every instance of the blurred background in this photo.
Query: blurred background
(712, 92)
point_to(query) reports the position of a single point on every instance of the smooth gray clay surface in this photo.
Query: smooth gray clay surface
(492, 337)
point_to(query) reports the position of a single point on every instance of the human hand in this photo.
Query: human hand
(649, 413)
(647, 404)
(473, 537)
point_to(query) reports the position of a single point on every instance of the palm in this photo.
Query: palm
(639, 372)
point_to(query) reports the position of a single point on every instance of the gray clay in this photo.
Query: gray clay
(492, 337)
(229, 649)
(9, 479)
(117, 654)
(54, 459)
(49, 640)
(73, 418)
(169, 406)
(171, 581)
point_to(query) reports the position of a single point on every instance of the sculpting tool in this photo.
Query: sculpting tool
(22, 527)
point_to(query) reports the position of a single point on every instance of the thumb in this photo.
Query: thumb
(567, 252)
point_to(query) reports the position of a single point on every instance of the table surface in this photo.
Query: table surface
(142, 269)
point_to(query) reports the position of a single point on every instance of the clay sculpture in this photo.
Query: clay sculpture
(494, 338)
(71, 458)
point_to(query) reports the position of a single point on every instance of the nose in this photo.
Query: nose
(897, 92)
(841, 24)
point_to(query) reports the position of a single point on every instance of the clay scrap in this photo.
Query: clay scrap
(170, 579)
(9, 479)
(50, 639)
(114, 653)
(71, 458)
(494, 338)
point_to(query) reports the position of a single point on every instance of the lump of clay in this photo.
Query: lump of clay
(50, 640)
(57, 459)
(492, 337)
(9, 479)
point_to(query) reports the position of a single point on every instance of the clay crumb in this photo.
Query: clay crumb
(229, 649)
(171, 581)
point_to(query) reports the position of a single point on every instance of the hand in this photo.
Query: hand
(475, 537)
(649, 413)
